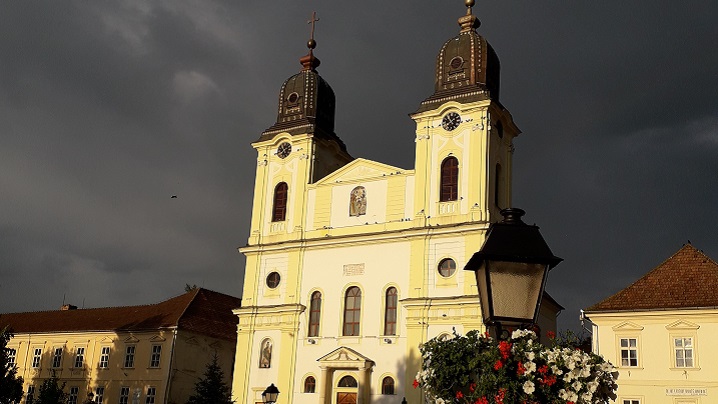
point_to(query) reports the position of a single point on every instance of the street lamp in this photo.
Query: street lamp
(511, 271)
(269, 395)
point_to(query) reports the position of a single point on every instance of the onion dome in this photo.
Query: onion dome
(467, 68)
(306, 102)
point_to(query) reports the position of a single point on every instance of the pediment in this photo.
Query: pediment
(157, 338)
(627, 326)
(682, 325)
(131, 340)
(192, 340)
(344, 357)
(107, 340)
(360, 169)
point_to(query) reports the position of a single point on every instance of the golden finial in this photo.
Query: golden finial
(309, 61)
(311, 44)
(469, 4)
(469, 21)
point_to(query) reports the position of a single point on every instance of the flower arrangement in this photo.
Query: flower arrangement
(475, 369)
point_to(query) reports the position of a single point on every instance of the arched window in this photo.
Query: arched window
(499, 129)
(310, 384)
(390, 312)
(352, 311)
(357, 202)
(279, 209)
(347, 381)
(449, 179)
(497, 185)
(387, 385)
(315, 311)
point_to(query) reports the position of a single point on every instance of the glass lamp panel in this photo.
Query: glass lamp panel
(483, 292)
(516, 288)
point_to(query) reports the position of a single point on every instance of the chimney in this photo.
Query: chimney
(68, 307)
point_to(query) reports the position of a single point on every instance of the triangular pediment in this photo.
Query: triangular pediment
(344, 357)
(157, 338)
(682, 325)
(627, 326)
(107, 340)
(131, 340)
(361, 169)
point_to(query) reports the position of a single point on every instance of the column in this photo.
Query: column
(325, 386)
(365, 385)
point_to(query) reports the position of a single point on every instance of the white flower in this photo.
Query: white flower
(530, 355)
(587, 397)
(530, 367)
(529, 387)
(577, 385)
(592, 386)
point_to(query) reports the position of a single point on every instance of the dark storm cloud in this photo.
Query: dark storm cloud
(108, 109)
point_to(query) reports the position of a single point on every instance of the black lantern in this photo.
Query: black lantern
(270, 394)
(511, 271)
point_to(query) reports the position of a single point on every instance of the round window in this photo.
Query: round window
(456, 62)
(447, 267)
(293, 98)
(273, 280)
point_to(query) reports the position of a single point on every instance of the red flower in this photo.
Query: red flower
(551, 334)
(505, 349)
(543, 369)
(416, 383)
(498, 365)
(500, 396)
(549, 380)
(521, 369)
(459, 395)
(486, 334)
(472, 387)
(482, 400)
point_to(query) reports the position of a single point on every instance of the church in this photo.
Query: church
(351, 264)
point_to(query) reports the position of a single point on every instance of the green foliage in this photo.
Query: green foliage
(476, 369)
(10, 382)
(51, 392)
(211, 389)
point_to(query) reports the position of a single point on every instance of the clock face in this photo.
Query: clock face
(284, 149)
(451, 121)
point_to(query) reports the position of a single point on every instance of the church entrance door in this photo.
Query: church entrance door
(346, 398)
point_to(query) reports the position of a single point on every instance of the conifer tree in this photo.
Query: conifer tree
(51, 392)
(211, 389)
(10, 382)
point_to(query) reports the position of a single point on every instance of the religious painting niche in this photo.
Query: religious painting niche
(357, 202)
(265, 356)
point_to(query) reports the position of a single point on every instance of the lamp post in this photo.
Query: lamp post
(270, 394)
(511, 271)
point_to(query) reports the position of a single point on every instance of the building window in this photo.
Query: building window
(310, 384)
(315, 312)
(279, 209)
(124, 395)
(449, 179)
(129, 356)
(155, 357)
(631, 401)
(357, 202)
(79, 357)
(499, 129)
(347, 381)
(387, 386)
(390, 311)
(684, 352)
(105, 357)
(57, 358)
(151, 392)
(265, 356)
(629, 352)
(36, 357)
(447, 267)
(352, 311)
(99, 394)
(30, 396)
(72, 398)
(273, 280)
(11, 357)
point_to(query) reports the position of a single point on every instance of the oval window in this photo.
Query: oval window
(447, 267)
(273, 280)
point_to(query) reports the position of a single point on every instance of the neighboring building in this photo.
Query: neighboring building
(153, 353)
(352, 264)
(661, 332)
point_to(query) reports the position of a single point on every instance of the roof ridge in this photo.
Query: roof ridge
(196, 292)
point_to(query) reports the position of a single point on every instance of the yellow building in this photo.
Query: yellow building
(134, 354)
(352, 264)
(661, 330)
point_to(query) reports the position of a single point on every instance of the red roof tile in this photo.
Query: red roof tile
(200, 310)
(687, 279)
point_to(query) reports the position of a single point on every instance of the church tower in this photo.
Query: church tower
(351, 263)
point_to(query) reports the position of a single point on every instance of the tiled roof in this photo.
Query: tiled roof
(688, 279)
(200, 310)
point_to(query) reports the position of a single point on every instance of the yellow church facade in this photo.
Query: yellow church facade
(351, 264)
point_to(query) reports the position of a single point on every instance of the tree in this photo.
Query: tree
(51, 392)
(10, 382)
(211, 389)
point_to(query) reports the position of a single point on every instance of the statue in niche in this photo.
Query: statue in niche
(357, 202)
(265, 357)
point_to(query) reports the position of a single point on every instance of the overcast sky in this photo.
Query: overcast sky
(109, 108)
